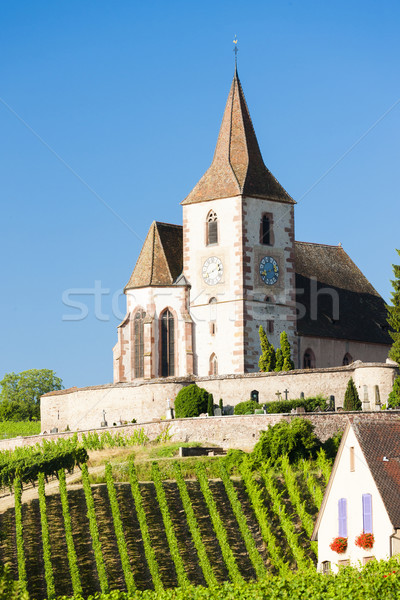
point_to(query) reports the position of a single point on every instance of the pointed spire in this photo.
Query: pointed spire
(237, 167)
(160, 260)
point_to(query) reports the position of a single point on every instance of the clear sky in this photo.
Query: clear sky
(109, 114)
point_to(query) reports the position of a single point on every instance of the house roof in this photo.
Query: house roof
(160, 260)
(237, 167)
(350, 309)
(378, 440)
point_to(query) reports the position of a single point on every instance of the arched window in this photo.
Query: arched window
(309, 359)
(347, 359)
(266, 230)
(138, 340)
(167, 344)
(213, 315)
(213, 365)
(212, 228)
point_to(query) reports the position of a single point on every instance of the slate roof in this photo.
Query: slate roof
(237, 167)
(361, 312)
(378, 439)
(161, 258)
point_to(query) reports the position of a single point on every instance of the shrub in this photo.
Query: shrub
(296, 439)
(394, 396)
(210, 405)
(233, 459)
(331, 445)
(191, 401)
(245, 408)
(351, 397)
(319, 403)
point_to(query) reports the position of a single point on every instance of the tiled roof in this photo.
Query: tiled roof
(161, 258)
(237, 167)
(380, 439)
(361, 310)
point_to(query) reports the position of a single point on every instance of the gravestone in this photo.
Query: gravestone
(217, 412)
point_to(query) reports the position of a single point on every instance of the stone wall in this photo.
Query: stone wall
(236, 431)
(83, 408)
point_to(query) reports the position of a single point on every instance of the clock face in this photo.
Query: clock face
(213, 270)
(269, 270)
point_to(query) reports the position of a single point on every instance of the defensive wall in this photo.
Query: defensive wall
(235, 431)
(88, 408)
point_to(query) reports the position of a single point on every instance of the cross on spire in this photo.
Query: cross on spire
(235, 49)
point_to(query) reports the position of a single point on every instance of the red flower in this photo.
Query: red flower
(365, 540)
(339, 545)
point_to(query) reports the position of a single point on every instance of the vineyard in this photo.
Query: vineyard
(163, 533)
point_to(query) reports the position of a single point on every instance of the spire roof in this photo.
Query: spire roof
(160, 260)
(237, 167)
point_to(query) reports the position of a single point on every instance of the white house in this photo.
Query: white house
(363, 495)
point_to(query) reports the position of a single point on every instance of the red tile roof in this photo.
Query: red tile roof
(237, 167)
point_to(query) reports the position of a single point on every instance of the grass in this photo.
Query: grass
(10, 429)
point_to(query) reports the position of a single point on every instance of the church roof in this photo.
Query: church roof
(361, 312)
(237, 167)
(160, 261)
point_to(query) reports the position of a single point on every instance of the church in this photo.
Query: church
(200, 291)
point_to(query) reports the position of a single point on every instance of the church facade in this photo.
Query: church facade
(199, 292)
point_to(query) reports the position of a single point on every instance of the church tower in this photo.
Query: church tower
(238, 250)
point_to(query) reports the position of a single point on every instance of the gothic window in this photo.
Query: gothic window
(309, 359)
(213, 315)
(167, 344)
(266, 231)
(212, 228)
(213, 365)
(138, 342)
(347, 359)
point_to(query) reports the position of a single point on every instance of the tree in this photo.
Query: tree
(191, 401)
(393, 317)
(351, 398)
(278, 360)
(266, 362)
(296, 439)
(394, 396)
(210, 405)
(288, 364)
(20, 393)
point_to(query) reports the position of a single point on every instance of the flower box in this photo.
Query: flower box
(339, 545)
(365, 540)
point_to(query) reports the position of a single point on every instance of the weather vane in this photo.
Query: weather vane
(235, 49)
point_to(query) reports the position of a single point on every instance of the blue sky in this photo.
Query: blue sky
(109, 114)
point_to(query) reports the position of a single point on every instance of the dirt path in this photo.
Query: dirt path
(31, 493)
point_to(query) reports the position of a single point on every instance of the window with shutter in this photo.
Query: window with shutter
(367, 513)
(342, 509)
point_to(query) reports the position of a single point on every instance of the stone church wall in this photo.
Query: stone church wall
(330, 351)
(83, 408)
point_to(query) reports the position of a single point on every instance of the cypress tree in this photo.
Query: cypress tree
(221, 405)
(288, 364)
(266, 362)
(393, 317)
(210, 405)
(278, 360)
(351, 397)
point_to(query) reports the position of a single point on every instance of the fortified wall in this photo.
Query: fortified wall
(236, 431)
(87, 408)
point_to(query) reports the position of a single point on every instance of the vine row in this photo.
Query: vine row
(48, 567)
(19, 534)
(312, 484)
(72, 559)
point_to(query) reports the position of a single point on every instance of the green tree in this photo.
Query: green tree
(266, 362)
(278, 360)
(393, 317)
(394, 396)
(351, 398)
(288, 364)
(210, 405)
(20, 393)
(296, 439)
(191, 401)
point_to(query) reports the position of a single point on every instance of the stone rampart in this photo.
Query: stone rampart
(146, 400)
(236, 431)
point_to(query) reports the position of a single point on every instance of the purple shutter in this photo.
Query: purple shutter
(342, 506)
(367, 513)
